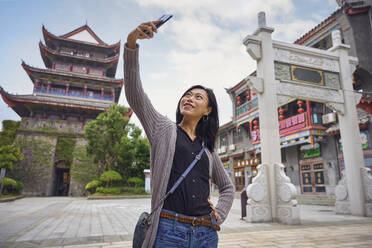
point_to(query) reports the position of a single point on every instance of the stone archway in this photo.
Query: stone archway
(289, 71)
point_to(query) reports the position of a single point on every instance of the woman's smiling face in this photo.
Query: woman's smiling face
(194, 104)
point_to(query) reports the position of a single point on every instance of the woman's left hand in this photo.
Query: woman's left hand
(213, 209)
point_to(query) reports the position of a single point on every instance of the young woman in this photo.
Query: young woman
(187, 217)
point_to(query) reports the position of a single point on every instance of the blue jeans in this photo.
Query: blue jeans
(172, 233)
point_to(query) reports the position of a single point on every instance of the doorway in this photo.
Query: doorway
(61, 179)
(312, 177)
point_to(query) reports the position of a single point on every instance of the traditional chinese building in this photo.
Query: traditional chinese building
(310, 141)
(77, 84)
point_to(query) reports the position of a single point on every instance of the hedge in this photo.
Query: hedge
(111, 191)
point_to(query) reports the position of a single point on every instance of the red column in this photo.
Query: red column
(85, 91)
(113, 94)
(67, 88)
(308, 112)
(102, 92)
(48, 89)
(250, 128)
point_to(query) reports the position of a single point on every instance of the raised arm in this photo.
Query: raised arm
(225, 187)
(136, 97)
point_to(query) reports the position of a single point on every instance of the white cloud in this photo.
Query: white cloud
(158, 76)
(292, 30)
(208, 48)
(204, 43)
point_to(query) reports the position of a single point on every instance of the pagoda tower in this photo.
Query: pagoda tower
(77, 85)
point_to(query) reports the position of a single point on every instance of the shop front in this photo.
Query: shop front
(244, 171)
(367, 150)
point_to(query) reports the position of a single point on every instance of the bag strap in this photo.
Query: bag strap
(180, 179)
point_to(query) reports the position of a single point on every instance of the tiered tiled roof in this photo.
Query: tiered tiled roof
(49, 36)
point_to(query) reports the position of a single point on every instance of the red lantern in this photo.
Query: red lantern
(255, 122)
(248, 97)
(281, 111)
(238, 97)
(281, 117)
(256, 128)
(300, 109)
(253, 93)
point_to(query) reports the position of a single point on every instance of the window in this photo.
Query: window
(238, 136)
(324, 43)
(224, 140)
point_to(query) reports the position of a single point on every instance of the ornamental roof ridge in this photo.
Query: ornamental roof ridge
(237, 86)
(106, 60)
(70, 73)
(56, 99)
(47, 34)
(82, 28)
(318, 27)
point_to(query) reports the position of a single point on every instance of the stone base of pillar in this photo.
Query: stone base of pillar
(367, 184)
(342, 205)
(258, 213)
(368, 209)
(289, 215)
(259, 208)
(287, 211)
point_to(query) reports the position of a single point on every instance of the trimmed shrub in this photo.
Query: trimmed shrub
(92, 186)
(108, 191)
(10, 185)
(135, 181)
(134, 191)
(140, 191)
(19, 187)
(110, 177)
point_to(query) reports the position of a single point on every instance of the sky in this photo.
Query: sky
(201, 44)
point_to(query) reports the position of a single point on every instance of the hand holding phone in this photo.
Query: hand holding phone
(145, 30)
(164, 19)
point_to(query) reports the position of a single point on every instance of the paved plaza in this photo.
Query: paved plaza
(78, 222)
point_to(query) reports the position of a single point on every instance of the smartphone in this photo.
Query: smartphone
(164, 19)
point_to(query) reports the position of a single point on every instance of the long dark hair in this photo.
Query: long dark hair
(205, 129)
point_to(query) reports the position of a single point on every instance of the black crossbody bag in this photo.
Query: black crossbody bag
(144, 221)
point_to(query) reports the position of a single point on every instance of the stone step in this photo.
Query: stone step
(324, 200)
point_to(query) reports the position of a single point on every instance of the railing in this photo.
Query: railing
(80, 94)
(246, 107)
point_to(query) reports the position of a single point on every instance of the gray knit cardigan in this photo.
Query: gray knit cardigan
(161, 133)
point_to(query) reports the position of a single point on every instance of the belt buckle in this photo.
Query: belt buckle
(193, 221)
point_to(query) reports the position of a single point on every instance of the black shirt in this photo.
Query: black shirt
(190, 198)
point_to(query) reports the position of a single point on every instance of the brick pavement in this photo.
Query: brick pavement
(349, 235)
(77, 222)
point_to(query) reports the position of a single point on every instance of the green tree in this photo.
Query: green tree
(9, 132)
(141, 159)
(110, 177)
(107, 137)
(136, 181)
(9, 155)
